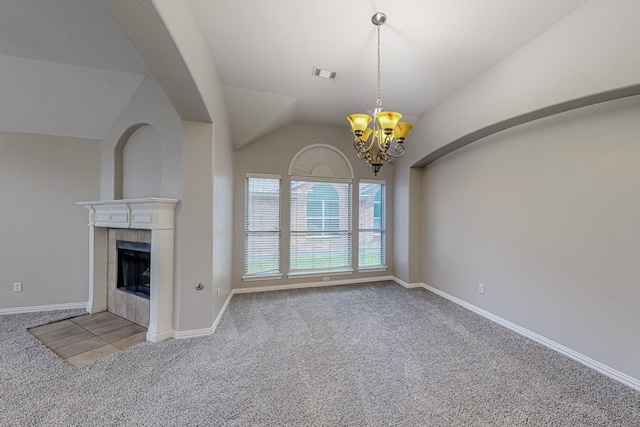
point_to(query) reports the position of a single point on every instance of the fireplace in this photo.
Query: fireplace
(134, 268)
(140, 221)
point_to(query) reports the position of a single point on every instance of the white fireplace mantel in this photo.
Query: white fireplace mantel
(149, 214)
(153, 214)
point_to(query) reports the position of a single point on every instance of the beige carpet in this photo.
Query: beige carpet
(371, 354)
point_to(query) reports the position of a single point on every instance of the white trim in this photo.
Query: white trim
(94, 307)
(407, 285)
(572, 354)
(48, 307)
(263, 175)
(257, 277)
(311, 284)
(327, 146)
(372, 269)
(205, 331)
(303, 178)
(372, 181)
(321, 273)
(222, 310)
(158, 335)
(192, 333)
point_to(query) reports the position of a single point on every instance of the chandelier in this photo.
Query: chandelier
(386, 131)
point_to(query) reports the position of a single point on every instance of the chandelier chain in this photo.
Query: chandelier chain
(378, 99)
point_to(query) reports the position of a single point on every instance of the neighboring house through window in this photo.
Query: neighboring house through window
(371, 229)
(323, 209)
(262, 226)
(320, 227)
(320, 237)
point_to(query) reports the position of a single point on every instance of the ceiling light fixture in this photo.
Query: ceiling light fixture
(387, 129)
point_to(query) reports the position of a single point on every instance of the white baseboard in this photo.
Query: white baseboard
(407, 285)
(205, 331)
(311, 284)
(49, 307)
(159, 334)
(96, 308)
(578, 357)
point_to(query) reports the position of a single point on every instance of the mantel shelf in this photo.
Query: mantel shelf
(149, 213)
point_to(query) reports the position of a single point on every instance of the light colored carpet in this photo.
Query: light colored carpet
(373, 354)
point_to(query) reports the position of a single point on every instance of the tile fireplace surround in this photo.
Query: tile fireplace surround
(152, 214)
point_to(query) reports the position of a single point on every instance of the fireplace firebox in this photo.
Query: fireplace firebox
(134, 268)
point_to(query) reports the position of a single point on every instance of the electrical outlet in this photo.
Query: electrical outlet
(481, 288)
(326, 279)
(17, 286)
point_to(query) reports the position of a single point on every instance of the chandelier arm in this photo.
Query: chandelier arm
(399, 149)
(358, 144)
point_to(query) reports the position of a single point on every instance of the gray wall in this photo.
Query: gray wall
(217, 159)
(545, 215)
(141, 164)
(43, 232)
(591, 51)
(272, 154)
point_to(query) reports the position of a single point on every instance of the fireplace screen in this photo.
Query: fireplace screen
(134, 267)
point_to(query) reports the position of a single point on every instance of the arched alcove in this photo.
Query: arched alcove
(138, 163)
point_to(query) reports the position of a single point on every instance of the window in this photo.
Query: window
(371, 241)
(320, 226)
(323, 209)
(262, 226)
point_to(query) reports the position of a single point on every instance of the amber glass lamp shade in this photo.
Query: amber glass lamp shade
(367, 133)
(388, 119)
(359, 122)
(401, 131)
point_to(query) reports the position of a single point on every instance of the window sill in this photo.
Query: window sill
(372, 269)
(320, 273)
(262, 277)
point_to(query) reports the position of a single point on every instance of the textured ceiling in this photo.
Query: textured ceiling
(265, 52)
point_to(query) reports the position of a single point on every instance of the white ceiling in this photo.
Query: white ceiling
(67, 68)
(74, 32)
(266, 50)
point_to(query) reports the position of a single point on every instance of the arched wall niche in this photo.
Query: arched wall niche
(137, 163)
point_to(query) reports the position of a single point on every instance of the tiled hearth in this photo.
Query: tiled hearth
(84, 339)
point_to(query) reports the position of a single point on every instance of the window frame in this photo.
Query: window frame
(272, 275)
(346, 231)
(363, 229)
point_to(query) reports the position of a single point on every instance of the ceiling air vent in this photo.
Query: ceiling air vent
(325, 74)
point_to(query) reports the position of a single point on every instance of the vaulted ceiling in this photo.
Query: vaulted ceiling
(66, 66)
(70, 69)
(265, 52)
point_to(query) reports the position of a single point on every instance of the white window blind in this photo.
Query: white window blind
(262, 226)
(371, 241)
(320, 226)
